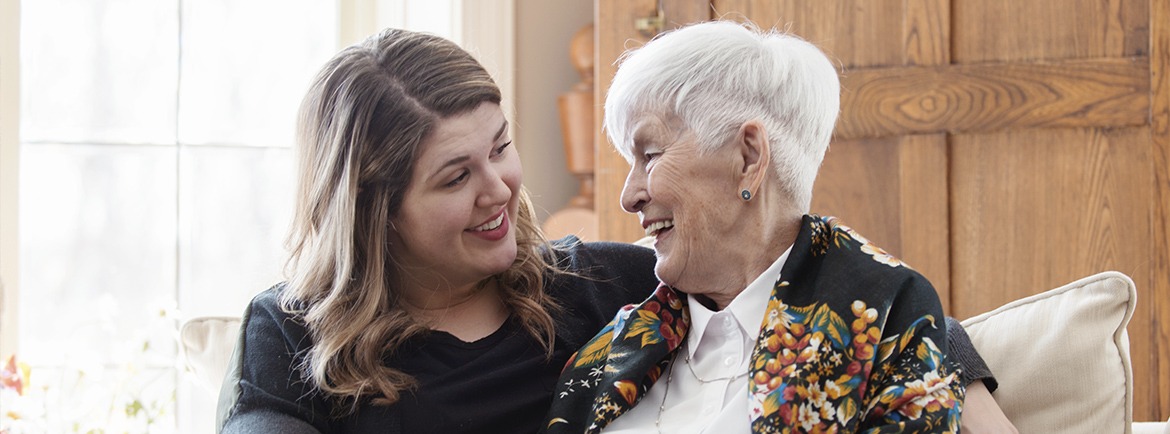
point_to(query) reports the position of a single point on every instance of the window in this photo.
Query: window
(155, 186)
(156, 182)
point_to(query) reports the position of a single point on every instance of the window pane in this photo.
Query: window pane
(99, 70)
(433, 16)
(236, 204)
(97, 253)
(246, 65)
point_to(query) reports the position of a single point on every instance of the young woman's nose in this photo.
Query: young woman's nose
(495, 192)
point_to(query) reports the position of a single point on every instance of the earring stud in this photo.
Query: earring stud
(746, 195)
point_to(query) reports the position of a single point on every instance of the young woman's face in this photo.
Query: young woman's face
(456, 225)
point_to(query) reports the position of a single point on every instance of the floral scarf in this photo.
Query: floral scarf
(850, 342)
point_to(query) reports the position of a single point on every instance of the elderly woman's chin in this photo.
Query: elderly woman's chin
(672, 270)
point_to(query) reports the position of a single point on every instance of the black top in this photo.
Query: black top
(501, 383)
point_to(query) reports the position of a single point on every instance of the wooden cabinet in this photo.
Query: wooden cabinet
(1001, 147)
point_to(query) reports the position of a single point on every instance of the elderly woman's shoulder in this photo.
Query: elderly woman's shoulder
(864, 259)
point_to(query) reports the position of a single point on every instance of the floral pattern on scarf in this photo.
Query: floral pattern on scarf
(829, 357)
(618, 369)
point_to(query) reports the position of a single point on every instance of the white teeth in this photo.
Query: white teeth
(492, 224)
(653, 229)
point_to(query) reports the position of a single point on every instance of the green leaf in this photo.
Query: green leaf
(133, 408)
(827, 321)
(846, 411)
(800, 314)
(772, 402)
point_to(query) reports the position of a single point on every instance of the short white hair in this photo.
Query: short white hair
(714, 76)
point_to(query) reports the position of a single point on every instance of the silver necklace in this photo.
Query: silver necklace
(662, 406)
(687, 359)
(669, 376)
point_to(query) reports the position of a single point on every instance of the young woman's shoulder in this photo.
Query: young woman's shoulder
(264, 386)
(615, 258)
(601, 278)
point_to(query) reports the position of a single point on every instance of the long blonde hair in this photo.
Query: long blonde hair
(361, 127)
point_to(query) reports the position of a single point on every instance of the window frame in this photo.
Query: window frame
(9, 172)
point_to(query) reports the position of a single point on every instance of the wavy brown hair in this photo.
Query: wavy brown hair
(360, 130)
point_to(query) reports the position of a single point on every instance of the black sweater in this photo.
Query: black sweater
(499, 384)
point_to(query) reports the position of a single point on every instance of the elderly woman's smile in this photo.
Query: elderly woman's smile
(655, 228)
(687, 199)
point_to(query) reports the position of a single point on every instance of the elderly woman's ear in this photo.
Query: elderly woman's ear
(752, 143)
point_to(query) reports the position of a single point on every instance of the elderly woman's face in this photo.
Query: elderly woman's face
(687, 199)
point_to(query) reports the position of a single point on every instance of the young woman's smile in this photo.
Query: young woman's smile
(455, 225)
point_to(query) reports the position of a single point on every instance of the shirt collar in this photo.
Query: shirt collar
(747, 308)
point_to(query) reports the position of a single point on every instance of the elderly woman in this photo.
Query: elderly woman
(768, 319)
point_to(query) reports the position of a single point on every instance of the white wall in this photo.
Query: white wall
(543, 72)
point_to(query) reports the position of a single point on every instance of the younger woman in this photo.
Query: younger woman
(422, 296)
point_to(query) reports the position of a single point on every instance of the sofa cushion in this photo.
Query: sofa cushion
(1062, 356)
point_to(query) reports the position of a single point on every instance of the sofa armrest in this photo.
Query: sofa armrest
(207, 344)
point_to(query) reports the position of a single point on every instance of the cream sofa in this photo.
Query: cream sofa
(1061, 357)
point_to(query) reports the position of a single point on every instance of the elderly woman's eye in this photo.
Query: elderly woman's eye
(650, 156)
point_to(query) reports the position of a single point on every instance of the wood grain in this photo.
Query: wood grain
(858, 183)
(987, 97)
(893, 191)
(927, 32)
(924, 210)
(614, 21)
(855, 33)
(1160, 142)
(1007, 30)
(1035, 209)
(615, 33)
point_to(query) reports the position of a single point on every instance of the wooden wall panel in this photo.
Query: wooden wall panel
(1036, 209)
(924, 210)
(959, 98)
(1039, 130)
(615, 33)
(1160, 139)
(927, 32)
(859, 185)
(615, 29)
(1007, 30)
(856, 33)
(853, 32)
(894, 192)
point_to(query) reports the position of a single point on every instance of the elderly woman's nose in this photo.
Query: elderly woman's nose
(634, 194)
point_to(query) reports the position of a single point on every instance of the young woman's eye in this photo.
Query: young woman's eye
(500, 150)
(459, 179)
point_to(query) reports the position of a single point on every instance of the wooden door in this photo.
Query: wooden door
(1001, 147)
